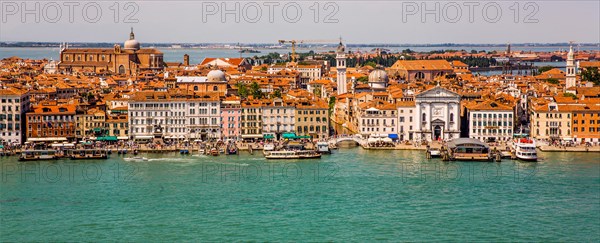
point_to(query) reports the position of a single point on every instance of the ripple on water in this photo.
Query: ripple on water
(351, 195)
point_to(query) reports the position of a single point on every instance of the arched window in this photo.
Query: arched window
(215, 88)
(324, 129)
(424, 117)
(451, 117)
(419, 76)
(122, 69)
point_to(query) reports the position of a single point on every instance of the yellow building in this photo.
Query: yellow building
(550, 121)
(91, 124)
(312, 119)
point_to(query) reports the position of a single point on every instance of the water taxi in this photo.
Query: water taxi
(89, 154)
(32, 155)
(289, 154)
(323, 148)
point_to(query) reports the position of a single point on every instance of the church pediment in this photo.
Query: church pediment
(438, 92)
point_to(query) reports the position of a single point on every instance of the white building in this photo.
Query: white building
(278, 118)
(377, 117)
(14, 104)
(438, 111)
(407, 120)
(490, 121)
(174, 115)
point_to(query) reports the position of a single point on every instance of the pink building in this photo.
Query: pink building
(231, 111)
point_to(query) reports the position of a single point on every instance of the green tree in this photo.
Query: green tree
(363, 79)
(331, 104)
(591, 75)
(545, 68)
(277, 93)
(242, 89)
(318, 92)
(552, 81)
(255, 90)
(370, 63)
(570, 95)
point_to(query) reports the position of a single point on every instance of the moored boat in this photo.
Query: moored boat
(33, 155)
(290, 154)
(323, 148)
(524, 149)
(89, 154)
(214, 152)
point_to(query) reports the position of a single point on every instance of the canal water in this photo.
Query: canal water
(351, 195)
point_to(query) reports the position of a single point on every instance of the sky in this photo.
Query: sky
(397, 22)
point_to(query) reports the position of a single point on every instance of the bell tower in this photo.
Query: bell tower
(571, 79)
(341, 69)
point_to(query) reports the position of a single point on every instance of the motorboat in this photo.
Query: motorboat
(323, 148)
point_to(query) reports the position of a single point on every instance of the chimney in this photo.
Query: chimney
(186, 60)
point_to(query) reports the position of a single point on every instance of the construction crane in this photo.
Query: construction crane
(294, 42)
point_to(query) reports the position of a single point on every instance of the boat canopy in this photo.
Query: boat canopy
(466, 142)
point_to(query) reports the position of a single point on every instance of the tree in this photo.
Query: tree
(277, 93)
(545, 68)
(552, 81)
(363, 79)
(255, 90)
(570, 95)
(242, 89)
(370, 63)
(331, 104)
(318, 92)
(591, 75)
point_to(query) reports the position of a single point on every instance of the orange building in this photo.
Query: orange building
(51, 122)
(128, 60)
(586, 123)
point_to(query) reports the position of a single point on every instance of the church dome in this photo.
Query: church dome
(378, 79)
(132, 44)
(341, 48)
(216, 76)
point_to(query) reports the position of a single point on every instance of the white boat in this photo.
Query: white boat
(323, 147)
(268, 147)
(290, 154)
(435, 153)
(525, 149)
(139, 159)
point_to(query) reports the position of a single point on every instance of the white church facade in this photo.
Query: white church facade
(438, 112)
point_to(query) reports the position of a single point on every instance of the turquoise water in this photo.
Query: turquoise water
(352, 195)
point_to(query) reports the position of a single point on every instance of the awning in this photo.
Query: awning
(47, 139)
(143, 137)
(289, 135)
(107, 138)
(393, 136)
(123, 138)
(252, 136)
(97, 129)
(1, 146)
(268, 136)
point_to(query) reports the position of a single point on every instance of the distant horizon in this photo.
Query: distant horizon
(320, 43)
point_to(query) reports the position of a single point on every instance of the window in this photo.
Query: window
(424, 117)
(451, 117)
